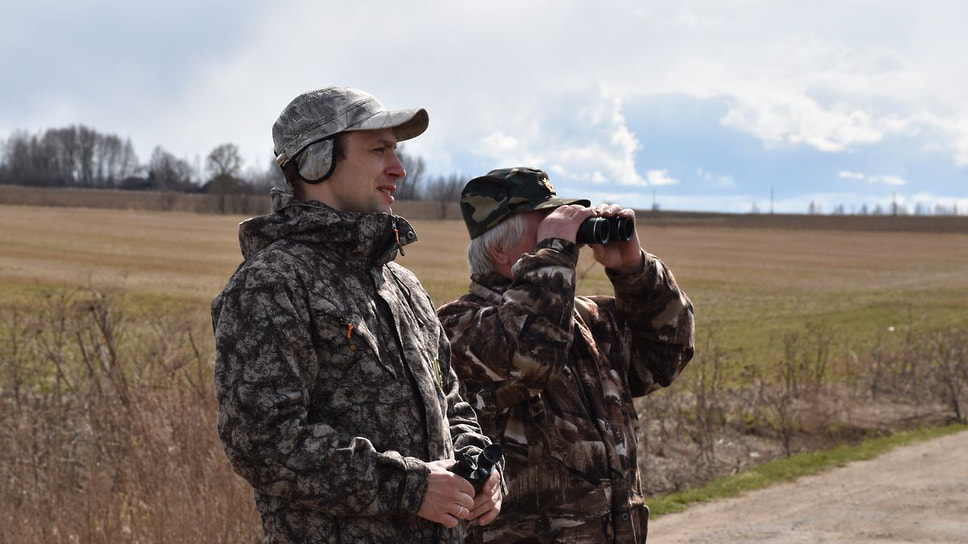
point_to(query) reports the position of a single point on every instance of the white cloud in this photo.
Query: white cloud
(716, 180)
(499, 144)
(798, 85)
(660, 177)
(887, 180)
(778, 117)
(874, 180)
(788, 83)
(948, 134)
(579, 136)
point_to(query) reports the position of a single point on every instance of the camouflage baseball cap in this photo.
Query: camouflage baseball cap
(317, 115)
(491, 198)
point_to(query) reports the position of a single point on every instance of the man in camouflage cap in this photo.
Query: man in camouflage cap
(336, 397)
(552, 375)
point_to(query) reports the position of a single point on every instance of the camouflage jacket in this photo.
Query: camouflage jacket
(552, 377)
(333, 379)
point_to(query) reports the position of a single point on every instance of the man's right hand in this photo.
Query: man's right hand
(563, 222)
(449, 498)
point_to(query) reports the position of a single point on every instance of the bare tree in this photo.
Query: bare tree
(409, 187)
(445, 191)
(58, 156)
(224, 160)
(88, 141)
(22, 160)
(70, 156)
(115, 160)
(167, 172)
(262, 181)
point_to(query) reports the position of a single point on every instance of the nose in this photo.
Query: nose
(396, 168)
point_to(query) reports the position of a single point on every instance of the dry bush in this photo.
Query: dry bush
(107, 430)
(948, 381)
(816, 396)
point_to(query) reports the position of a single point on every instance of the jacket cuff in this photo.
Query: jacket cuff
(630, 279)
(558, 244)
(414, 485)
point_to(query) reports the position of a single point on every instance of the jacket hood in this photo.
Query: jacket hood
(368, 238)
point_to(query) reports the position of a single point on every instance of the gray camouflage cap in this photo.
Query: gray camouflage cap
(487, 200)
(312, 118)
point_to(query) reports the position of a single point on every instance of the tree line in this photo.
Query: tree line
(78, 156)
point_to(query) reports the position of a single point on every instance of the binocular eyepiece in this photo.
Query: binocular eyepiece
(602, 230)
(477, 470)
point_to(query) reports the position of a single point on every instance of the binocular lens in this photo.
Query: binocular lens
(622, 228)
(593, 230)
(599, 230)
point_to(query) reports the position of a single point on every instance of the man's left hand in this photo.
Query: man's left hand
(487, 502)
(623, 257)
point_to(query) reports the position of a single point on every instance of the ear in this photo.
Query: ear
(497, 253)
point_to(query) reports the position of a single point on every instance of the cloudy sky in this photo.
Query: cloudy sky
(716, 105)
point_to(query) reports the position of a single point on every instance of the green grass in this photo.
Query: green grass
(792, 468)
(750, 327)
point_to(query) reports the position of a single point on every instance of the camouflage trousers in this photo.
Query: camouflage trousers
(628, 527)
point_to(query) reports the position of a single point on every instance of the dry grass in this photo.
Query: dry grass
(108, 418)
(176, 255)
(107, 429)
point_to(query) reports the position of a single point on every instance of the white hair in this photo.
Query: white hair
(504, 234)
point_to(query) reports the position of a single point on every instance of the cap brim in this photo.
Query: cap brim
(406, 124)
(555, 202)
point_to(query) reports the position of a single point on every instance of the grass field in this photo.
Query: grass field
(107, 414)
(749, 285)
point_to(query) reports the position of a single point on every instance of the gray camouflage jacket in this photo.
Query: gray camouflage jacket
(552, 377)
(333, 379)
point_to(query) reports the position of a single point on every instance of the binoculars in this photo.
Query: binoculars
(477, 469)
(602, 230)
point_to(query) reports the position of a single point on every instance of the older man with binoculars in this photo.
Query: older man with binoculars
(552, 375)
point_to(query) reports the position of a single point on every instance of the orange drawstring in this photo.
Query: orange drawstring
(397, 234)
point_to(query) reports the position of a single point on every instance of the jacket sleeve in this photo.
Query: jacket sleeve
(264, 361)
(509, 349)
(465, 430)
(655, 319)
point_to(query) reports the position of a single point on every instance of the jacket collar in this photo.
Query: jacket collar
(489, 286)
(370, 239)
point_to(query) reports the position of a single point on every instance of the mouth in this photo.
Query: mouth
(387, 190)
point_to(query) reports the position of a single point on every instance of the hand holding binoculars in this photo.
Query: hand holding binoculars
(477, 469)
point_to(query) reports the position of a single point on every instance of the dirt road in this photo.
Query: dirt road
(917, 493)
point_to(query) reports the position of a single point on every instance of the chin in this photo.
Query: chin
(384, 207)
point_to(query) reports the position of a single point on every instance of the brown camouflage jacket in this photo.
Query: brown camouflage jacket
(333, 379)
(552, 377)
